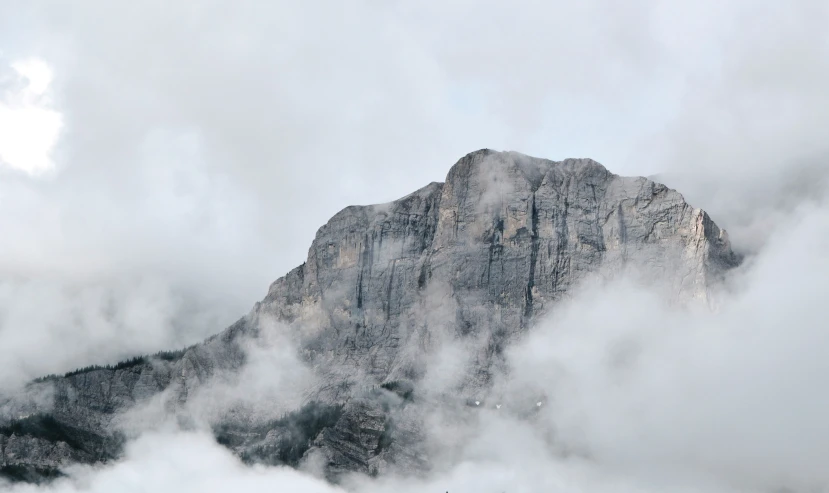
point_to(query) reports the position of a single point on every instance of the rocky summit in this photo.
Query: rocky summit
(471, 263)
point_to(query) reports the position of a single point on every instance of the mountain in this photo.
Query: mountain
(471, 263)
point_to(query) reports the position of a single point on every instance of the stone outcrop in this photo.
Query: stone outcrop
(475, 259)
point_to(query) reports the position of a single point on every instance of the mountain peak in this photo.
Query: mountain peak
(478, 258)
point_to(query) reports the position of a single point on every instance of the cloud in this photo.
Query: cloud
(273, 382)
(181, 462)
(29, 125)
(201, 147)
(195, 150)
(639, 395)
(746, 142)
(732, 395)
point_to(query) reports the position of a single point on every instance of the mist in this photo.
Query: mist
(641, 395)
(175, 159)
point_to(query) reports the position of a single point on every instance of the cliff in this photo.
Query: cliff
(476, 260)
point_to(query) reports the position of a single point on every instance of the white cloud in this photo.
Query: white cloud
(181, 463)
(29, 125)
(37, 75)
(734, 396)
(645, 397)
(204, 144)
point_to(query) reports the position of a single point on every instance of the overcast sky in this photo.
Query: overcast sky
(162, 162)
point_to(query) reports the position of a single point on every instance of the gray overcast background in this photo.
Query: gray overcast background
(203, 143)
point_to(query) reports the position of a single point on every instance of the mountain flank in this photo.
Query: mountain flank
(471, 262)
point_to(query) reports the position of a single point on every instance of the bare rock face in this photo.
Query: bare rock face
(475, 259)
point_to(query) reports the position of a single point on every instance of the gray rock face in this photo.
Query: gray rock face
(475, 259)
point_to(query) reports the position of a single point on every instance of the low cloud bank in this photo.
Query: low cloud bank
(640, 396)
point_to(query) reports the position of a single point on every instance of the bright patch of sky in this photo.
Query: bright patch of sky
(29, 124)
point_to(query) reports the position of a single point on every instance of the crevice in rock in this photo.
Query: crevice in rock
(528, 303)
